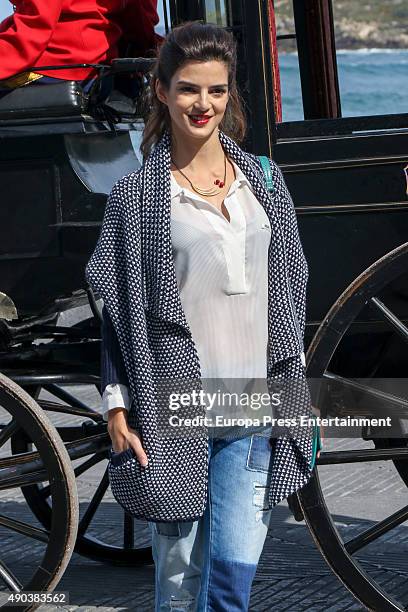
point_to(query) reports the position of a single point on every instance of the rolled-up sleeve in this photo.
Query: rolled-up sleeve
(115, 396)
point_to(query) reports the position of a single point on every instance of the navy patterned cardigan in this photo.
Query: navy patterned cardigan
(132, 270)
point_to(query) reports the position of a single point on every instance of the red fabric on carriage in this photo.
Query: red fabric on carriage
(44, 33)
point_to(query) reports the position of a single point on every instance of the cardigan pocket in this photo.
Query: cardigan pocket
(118, 459)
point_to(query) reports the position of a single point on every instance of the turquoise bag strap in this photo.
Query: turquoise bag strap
(266, 167)
(316, 442)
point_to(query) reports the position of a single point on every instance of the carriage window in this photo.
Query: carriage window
(372, 56)
(364, 67)
(291, 93)
(163, 10)
(216, 12)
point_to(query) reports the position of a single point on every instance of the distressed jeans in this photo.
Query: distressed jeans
(208, 565)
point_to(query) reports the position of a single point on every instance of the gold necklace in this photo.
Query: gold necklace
(207, 192)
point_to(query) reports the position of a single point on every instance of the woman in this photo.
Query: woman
(203, 280)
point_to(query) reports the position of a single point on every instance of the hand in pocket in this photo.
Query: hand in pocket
(123, 436)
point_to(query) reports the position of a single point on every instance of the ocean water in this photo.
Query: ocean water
(372, 82)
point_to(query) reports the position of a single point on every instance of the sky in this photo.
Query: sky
(6, 9)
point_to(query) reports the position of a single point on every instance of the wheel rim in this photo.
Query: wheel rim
(49, 463)
(338, 552)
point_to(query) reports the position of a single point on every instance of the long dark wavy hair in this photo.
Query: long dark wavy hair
(197, 41)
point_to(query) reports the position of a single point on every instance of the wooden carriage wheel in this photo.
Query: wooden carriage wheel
(85, 436)
(47, 463)
(365, 292)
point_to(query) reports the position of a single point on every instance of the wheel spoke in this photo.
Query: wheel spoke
(65, 396)
(390, 317)
(24, 480)
(27, 468)
(66, 409)
(88, 446)
(377, 530)
(128, 531)
(361, 455)
(88, 464)
(24, 528)
(45, 492)
(94, 504)
(395, 406)
(10, 580)
(22, 469)
(7, 431)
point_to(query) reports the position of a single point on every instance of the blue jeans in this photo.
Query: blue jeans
(209, 565)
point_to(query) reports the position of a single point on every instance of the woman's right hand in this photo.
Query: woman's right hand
(123, 436)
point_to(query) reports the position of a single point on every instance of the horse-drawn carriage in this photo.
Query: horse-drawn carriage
(61, 152)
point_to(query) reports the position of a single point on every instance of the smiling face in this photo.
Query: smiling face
(197, 98)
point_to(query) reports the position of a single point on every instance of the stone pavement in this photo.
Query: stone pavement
(292, 574)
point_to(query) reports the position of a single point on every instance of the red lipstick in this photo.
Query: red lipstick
(200, 119)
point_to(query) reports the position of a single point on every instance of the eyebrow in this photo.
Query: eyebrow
(194, 85)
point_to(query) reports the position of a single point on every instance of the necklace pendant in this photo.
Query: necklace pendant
(206, 192)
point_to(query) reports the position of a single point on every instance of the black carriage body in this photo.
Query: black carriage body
(57, 166)
(351, 203)
(55, 179)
